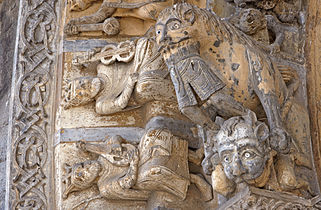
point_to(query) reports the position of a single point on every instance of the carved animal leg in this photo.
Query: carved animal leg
(265, 78)
(272, 109)
(202, 186)
(103, 13)
(205, 125)
(196, 157)
(285, 173)
(197, 115)
(226, 105)
(279, 138)
(93, 148)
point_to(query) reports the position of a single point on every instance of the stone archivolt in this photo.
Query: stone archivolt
(31, 119)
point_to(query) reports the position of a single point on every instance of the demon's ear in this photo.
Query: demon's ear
(262, 132)
(189, 16)
(250, 118)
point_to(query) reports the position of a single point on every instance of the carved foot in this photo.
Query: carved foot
(279, 140)
(126, 182)
(81, 145)
(111, 26)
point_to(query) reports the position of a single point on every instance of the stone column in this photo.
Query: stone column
(313, 62)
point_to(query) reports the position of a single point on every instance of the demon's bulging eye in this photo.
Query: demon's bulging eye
(248, 155)
(227, 158)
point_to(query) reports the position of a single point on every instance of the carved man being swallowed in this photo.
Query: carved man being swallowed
(213, 65)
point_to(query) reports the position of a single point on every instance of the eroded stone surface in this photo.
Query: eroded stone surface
(8, 27)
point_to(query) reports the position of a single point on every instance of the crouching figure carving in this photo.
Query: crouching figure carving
(124, 171)
(114, 171)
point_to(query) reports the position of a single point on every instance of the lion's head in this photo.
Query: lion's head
(175, 24)
(184, 23)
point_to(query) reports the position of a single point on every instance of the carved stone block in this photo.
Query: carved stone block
(254, 198)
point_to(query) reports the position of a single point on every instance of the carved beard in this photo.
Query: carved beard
(265, 176)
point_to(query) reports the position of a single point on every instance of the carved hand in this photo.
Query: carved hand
(81, 145)
(92, 52)
(71, 29)
(133, 78)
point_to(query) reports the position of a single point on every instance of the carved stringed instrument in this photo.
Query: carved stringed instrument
(123, 52)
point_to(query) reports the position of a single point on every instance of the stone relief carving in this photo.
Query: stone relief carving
(145, 72)
(29, 176)
(115, 170)
(254, 198)
(198, 77)
(243, 150)
(125, 171)
(180, 40)
(283, 21)
(202, 83)
(105, 89)
(183, 33)
(146, 11)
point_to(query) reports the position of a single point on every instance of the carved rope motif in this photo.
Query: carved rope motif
(31, 107)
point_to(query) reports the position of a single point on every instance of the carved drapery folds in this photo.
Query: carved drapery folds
(162, 104)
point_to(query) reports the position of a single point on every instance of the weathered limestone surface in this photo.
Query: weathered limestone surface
(8, 27)
(313, 56)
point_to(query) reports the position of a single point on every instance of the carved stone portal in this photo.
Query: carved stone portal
(162, 104)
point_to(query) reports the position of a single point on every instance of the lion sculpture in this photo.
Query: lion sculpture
(214, 64)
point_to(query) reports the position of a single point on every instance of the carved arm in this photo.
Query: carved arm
(130, 178)
(99, 149)
(102, 13)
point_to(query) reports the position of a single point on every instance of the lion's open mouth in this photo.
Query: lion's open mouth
(166, 46)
